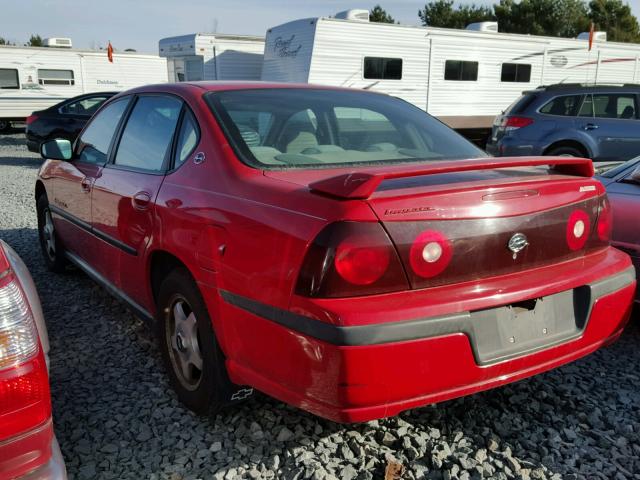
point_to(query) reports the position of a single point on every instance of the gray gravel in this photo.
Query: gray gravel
(116, 417)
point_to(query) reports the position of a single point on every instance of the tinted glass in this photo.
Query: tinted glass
(566, 105)
(86, 106)
(9, 78)
(461, 70)
(317, 128)
(187, 138)
(614, 106)
(383, 68)
(148, 133)
(95, 140)
(586, 110)
(55, 77)
(515, 72)
(520, 105)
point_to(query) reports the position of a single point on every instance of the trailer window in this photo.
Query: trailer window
(460, 70)
(516, 72)
(383, 68)
(9, 78)
(55, 77)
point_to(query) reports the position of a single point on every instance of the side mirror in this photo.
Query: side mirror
(57, 149)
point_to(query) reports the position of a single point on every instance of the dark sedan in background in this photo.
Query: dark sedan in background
(623, 189)
(63, 120)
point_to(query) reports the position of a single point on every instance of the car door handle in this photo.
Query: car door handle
(590, 126)
(86, 184)
(141, 200)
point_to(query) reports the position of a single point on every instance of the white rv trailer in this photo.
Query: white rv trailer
(463, 77)
(34, 78)
(213, 56)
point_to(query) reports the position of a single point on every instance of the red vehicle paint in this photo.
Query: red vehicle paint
(348, 254)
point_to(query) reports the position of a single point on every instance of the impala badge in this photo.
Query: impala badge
(517, 243)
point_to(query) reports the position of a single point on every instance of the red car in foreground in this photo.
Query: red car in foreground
(339, 250)
(28, 447)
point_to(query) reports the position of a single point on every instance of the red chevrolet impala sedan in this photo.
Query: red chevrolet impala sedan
(339, 250)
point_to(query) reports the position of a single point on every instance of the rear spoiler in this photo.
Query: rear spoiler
(361, 185)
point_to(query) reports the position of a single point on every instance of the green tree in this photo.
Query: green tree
(2, 41)
(557, 18)
(615, 18)
(441, 13)
(35, 41)
(378, 14)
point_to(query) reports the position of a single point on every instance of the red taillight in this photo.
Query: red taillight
(578, 229)
(31, 118)
(605, 220)
(348, 259)
(24, 386)
(430, 253)
(514, 123)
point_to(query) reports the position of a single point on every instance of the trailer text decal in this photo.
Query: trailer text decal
(283, 47)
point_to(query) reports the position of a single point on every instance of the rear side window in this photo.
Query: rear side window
(516, 72)
(461, 70)
(147, 136)
(614, 106)
(55, 77)
(565, 106)
(187, 138)
(9, 78)
(383, 68)
(95, 140)
(86, 106)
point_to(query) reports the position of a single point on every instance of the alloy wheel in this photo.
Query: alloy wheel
(184, 343)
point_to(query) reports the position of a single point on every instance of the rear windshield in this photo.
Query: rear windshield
(521, 104)
(292, 128)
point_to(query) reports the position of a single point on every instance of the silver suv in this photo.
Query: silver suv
(600, 122)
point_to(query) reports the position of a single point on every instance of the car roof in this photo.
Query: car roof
(220, 86)
(569, 88)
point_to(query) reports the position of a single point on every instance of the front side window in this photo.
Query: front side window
(147, 136)
(614, 106)
(9, 78)
(516, 72)
(380, 68)
(55, 77)
(564, 106)
(95, 140)
(86, 106)
(297, 128)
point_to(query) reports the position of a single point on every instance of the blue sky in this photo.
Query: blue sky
(140, 24)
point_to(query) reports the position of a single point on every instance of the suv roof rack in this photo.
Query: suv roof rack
(560, 86)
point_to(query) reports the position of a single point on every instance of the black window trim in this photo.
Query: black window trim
(186, 110)
(18, 84)
(462, 62)
(582, 99)
(113, 148)
(364, 60)
(581, 95)
(517, 65)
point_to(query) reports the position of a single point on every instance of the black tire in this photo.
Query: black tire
(203, 391)
(5, 126)
(53, 257)
(565, 151)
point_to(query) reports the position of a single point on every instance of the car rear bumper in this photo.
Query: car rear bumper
(33, 145)
(33, 456)
(512, 147)
(360, 367)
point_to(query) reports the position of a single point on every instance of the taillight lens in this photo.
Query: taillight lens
(24, 385)
(514, 123)
(348, 259)
(578, 229)
(31, 118)
(605, 220)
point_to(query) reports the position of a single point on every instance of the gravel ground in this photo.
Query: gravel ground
(116, 417)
